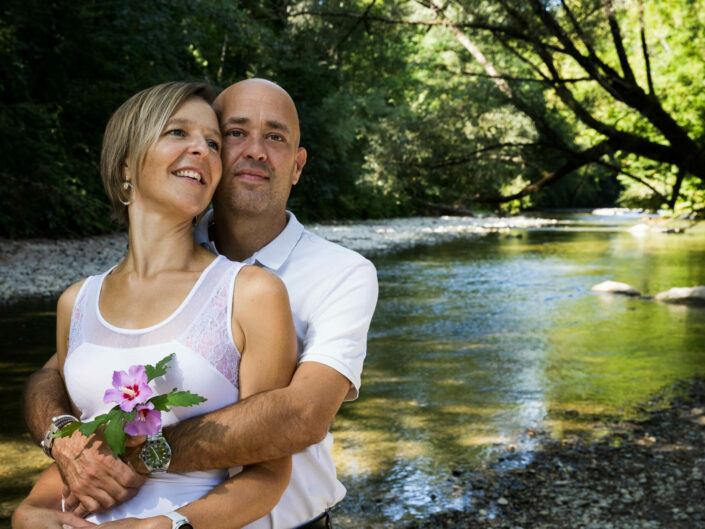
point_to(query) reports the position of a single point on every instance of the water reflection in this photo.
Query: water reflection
(476, 343)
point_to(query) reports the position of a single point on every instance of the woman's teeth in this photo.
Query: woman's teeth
(189, 174)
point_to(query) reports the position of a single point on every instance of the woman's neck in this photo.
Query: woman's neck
(157, 244)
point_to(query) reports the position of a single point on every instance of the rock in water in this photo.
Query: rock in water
(615, 287)
(683, 295)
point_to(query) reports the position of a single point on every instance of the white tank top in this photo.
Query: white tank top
(207, 362)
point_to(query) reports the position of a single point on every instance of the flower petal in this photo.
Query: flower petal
(113, 395)
(148, 425)
(119, 379)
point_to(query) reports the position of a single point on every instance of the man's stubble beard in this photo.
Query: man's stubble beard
(241, 199)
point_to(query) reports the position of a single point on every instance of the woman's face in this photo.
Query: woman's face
(182, 169)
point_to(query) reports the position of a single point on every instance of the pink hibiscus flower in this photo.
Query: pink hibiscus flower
(129, 389)
(148, 421)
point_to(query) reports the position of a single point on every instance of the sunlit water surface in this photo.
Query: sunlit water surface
(475, 345)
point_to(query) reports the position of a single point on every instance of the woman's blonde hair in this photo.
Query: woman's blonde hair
(134, 128)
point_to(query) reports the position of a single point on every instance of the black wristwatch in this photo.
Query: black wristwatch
(178, 520)
(156, 453)
(57, 423)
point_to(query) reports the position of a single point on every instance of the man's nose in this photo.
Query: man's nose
(255, 150)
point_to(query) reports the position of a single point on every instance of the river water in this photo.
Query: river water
(476, 345)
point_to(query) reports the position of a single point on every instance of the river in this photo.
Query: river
(476, 345)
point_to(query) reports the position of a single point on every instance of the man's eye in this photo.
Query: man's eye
(214, 145)
(236, 133)
(276, 137)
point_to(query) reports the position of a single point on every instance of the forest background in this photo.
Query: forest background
(407, 107)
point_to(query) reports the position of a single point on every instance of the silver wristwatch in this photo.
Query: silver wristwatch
(156, 453)
(178, 520)
(57, 423)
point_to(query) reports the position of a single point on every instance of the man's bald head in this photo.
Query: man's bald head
(264, 91)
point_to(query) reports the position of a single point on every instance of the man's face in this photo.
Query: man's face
(261, 157)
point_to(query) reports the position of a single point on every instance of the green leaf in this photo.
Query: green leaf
(159, 369)
(114, 433)
(67, 431)
(89, 428)
(176, 398)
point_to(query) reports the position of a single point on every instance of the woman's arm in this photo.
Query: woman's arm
(42, 508)
(263, 329)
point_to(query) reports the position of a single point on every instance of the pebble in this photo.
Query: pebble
(653, 488)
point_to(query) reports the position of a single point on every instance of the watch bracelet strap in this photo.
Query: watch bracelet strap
(57, 423)
(175, 518)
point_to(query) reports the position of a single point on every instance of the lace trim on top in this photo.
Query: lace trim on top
(76, 326)
(202, 322)
(211, 335)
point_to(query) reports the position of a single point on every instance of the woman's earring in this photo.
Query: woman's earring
(127, 186)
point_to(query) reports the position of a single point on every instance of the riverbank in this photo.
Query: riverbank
(644, 474)
(42, 268)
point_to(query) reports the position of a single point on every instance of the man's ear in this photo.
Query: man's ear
(299, 162)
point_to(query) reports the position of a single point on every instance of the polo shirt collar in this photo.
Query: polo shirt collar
(273, 256)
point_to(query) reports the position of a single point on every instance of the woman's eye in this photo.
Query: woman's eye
(176, 132)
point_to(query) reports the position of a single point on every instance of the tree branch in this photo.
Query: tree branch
(618, 42)
(576, 160)
(469, 157)
(645, 50)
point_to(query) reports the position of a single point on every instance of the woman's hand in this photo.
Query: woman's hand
(28, 516)
(156, 522)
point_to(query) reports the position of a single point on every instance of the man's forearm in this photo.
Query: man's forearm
(235, 435)
(266, 426)
(44, 398)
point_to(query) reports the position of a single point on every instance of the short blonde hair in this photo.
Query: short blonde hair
(134, 128)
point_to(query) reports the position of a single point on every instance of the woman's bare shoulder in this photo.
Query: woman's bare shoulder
(68, 297)
(253, 281)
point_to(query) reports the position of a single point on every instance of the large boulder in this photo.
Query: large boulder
(615, 287)
(683, 295)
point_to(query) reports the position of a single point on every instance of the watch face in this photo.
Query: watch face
(156, 454)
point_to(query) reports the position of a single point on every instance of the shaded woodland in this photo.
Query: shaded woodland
(407, 107)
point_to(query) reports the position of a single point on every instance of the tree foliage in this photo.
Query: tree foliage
(406, 107)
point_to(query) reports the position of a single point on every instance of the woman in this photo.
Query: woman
(229, 325)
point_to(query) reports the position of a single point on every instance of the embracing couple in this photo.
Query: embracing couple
(267, 321)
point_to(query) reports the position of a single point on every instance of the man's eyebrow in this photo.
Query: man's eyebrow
(184, 121)
(278, 125)
(271, 123)
(235, 120)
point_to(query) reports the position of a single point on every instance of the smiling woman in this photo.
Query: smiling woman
(160, 167)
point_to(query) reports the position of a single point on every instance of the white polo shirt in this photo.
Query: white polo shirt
(333, 293)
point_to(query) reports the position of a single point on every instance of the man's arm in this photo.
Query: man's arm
(284, 421)
(265, 426)
(44, 398)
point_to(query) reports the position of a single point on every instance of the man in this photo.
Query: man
(333, 293)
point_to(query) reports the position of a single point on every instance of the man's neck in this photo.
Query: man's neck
(238, 237)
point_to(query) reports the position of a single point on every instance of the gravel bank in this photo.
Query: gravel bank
(645, 474)
(40, 268)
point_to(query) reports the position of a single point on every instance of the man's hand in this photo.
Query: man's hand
(95, 480)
